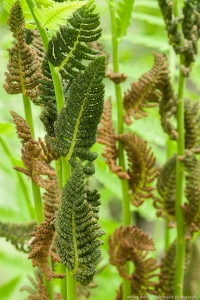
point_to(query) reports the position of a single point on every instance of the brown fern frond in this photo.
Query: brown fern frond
(166, 186)
(37, 44)
(24, 66)
(132, 244)
(116, 77)
(38, 291)
(41, 249)
(192, 191)
(32, 155)
(51, 199)
(145, 92)
(192, 125)
(47, 154)
(106, 137)
(141, 169)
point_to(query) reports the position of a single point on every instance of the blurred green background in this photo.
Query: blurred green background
(145, 36)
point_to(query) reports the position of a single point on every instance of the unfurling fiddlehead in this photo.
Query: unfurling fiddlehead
(166, 186)
(106, 136)
(17, 234)
(141, 169)
(77, 227)
(33, 158)
(24, 66)
(132, 244)
(76, 126)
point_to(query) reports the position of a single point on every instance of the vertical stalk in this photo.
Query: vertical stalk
(180, 242)
(126, 289)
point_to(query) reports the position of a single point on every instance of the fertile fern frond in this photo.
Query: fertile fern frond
(77, 228)
(141, 169)
(24, 66)
(32, 156)
(192, 208)
(145, 92)
(37, 44)
(132, 244)
(192, 125)
(51, 198)
(55, 15)
(106, 136)
(76, 125)
(66, 49)
(124, 13)
(116, 77)
(17, 234)
(37, 291)
(166, 186)
(41, 248)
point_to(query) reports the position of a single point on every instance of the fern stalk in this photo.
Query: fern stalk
(180, 242)
(126, 202)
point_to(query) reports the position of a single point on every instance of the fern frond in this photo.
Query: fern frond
(17, 234)
(132, 244)
(41, 247)
(32, 156)
(55, 15)
(145, 93)
(192, 125)
(166, 186)
(116, 77)
(76, 126)
(77, 228)
(23, 66)
(66, 49)
(124, 13)
(192, 208)
(141, 167)
(51, 198)
(37, 291)
(168, 267)
(37, 44)
(106, 137)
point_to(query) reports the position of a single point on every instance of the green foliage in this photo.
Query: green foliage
(77, 227)
(124, 13)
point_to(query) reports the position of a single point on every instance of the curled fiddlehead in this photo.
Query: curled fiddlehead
(132, 244)
(76, 126)
(17, 234)
(106, 136)
(141, 170)
(77, 227)
(24, 66)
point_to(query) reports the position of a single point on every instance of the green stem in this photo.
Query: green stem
(126, 288)
(28, 114)
(49, 283)
(71, 286)
(63, 281)
(180, 245)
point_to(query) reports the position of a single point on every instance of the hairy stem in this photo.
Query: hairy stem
(126, 289)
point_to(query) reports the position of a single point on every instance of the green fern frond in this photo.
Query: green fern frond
(66, 48)
(76, 126)
(17, 234)
(77, 228)
(55, 15)
(124, 12)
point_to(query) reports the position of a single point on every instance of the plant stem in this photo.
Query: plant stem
(180, 242)
(71, 286)
(126, 289)
(28, 114)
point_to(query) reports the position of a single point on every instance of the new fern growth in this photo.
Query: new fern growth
(77, 227)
